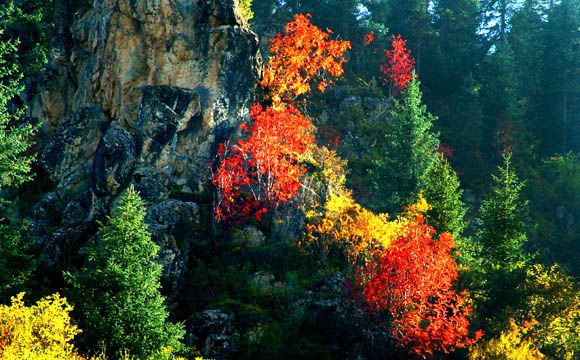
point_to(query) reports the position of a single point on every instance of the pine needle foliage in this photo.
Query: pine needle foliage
(118, 295)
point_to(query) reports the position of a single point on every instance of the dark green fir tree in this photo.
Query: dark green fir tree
(443, 192)
(502, 238)
(118, 295)
(409, 151)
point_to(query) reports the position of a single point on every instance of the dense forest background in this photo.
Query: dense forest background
(282, 179)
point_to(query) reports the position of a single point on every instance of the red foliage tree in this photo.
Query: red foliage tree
(413, 280)
(263, 169)
(399, 64)
(301, 56)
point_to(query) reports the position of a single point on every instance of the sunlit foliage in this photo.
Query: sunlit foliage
(301, 56)
(358, 229)
(245, 7)
(43, 331)
(554, 302)
(414, 281)
(262, 170)
(513, 344)
(398, 67)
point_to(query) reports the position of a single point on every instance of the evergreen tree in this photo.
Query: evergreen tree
(338, 15)
(117, 296)
(16, 262)
(502, 108)
(496, 17)
(527, 43)
(412, 19)
(443, 192)
(409, 149)
(455, 93)
(26, 26)
(561, 80)
(501, 221)
(502, 237)
(14, 138)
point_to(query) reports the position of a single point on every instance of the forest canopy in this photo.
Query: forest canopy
(381, 179)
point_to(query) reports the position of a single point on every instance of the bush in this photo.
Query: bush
(42, 331)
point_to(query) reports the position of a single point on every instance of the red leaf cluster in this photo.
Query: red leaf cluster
(399, 64)
(413, 280)
(447, 151)
(369, 38)
(263, 169)
(300, 56)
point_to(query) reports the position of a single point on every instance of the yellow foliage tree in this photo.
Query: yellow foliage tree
(555, 303)
(359, 229)
(513, 344)
(341, 220)
(42, 331)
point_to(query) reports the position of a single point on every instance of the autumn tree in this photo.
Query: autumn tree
(263, 169)
(553, 302)
(398, 67)
(414, 281)
(300, 57)
(514, 343)
(358, 230)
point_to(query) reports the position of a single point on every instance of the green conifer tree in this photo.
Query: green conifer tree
(16, 263)
(502, 237)
(409, 149)
(443, 192)
(117, 296)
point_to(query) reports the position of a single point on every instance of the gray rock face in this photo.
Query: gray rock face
(327, 312)
(113, 162)
(173, 225)
(136, 92)
(213, 333)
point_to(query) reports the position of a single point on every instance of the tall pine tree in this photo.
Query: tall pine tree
(443, 192)
(117, 296)
(561, 80)
(502, 238)
(409, 149)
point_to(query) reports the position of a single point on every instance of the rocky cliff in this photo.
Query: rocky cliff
(136, 92)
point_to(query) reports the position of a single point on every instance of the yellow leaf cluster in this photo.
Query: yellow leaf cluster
(245, 7)
(419, 208)
(339, 219)
(42, 331)
(555, 303)
(359, 229)
(512, 344)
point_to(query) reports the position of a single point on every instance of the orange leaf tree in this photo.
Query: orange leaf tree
(303, 55)
(398, 70)
(413, 280)
(263, 169)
